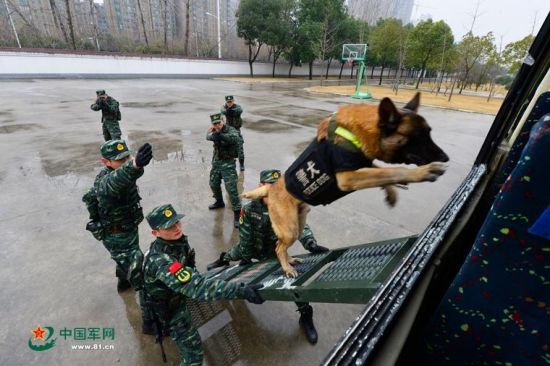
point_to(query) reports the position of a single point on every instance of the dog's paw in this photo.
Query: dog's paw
(290, 272)
(245, 195)
(430, 172)
(391, 195)
(293, 260)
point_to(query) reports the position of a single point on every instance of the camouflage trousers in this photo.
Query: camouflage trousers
(187, 338)
(124, 250)
(241, 147)
(261, 252)
(226, 170)
(111, 130)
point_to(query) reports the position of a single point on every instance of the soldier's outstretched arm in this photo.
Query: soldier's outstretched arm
(121, 178)
(187, 281)
(238, 110)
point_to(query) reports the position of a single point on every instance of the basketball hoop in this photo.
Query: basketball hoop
(350, 62)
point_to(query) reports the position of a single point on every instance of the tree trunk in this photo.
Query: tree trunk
(94, 23)
(290, 69)
(186, 41)
(142, 22)
(165, 18)
(151, 20)
(372, 72)
(328, 67)
(381, 72)
(70, 22)
(452, 89)
(421, 75)
(341, 69)
(311, 70)
(57, 21)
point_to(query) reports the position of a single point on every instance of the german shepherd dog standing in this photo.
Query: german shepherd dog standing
(340, 160)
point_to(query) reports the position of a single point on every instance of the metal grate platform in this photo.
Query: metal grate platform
(345, 275)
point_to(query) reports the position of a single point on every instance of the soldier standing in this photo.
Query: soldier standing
(257, 240)
(110, 114)
(115, 211)
(226, 144)
(232, 112)
(171, 277)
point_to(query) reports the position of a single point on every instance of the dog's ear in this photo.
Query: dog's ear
(414, 103)
(389, 116)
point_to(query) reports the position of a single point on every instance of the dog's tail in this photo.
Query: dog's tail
(257, 193)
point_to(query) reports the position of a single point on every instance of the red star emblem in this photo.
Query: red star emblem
(38, 333)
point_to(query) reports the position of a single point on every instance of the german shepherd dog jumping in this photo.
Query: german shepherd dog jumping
(340, 160)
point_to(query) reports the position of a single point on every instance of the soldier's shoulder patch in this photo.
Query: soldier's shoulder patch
(180, 272)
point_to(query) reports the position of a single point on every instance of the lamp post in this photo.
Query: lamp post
(219, 33)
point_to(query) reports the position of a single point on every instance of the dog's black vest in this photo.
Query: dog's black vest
(312, 177)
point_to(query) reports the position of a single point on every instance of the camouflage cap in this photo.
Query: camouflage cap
(229, 98)
(163, 217)
(115, 150)
(100, 92)
(216, 118)
(270, 175)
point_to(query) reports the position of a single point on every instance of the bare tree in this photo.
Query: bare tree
(94, 23)
(70, 23)
(142, 22)
(186, 40)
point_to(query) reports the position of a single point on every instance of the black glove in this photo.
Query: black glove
(190, 261)
(216, 136)
(252, 295)
(144, 155)
(244, 262)
(316, 249)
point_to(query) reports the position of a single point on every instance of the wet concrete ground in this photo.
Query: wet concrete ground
(55, 274)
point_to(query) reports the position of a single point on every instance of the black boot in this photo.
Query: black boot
(220, 262)
(236, 218)
(241, 164)
(306, 323)
(148, 327)
(217, 204)
(122, 285)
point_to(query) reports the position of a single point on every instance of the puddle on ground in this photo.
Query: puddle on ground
(163, 144)
(302, 116)
(64, 157)
(19, 127)
(151, 104)
(267, 125)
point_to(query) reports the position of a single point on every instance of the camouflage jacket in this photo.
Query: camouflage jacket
(118, 197)
(168, 279)
(228, 146)
(256, 236)
(233, 115)
(109, 108)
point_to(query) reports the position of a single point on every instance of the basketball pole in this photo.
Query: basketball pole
(358, 94)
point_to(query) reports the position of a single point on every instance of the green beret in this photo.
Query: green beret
(216, 118)
(100, 92)
(270, 175)
(115, 150)
(163, 217)
(228, 98)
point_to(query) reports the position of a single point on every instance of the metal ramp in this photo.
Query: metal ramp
(346, 275)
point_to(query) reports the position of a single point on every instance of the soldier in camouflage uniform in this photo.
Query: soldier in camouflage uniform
(171, 277)
(115, 211)
(257, 240)
(232, 112)
(226, 144)
(110, 115)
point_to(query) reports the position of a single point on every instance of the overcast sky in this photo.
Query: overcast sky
(511, 19)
